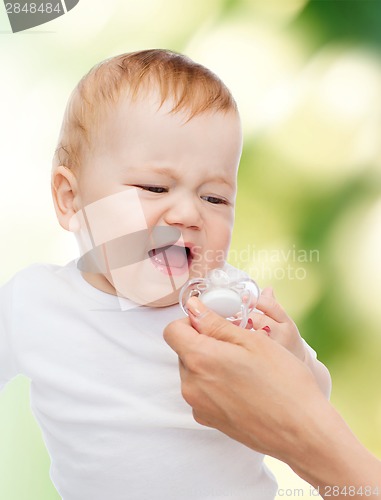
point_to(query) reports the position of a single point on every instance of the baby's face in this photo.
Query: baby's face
(152, 168)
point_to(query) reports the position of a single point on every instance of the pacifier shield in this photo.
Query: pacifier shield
(232, 295)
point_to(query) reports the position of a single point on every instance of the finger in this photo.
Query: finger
(249, 324)
(268, 292)
(260, 321)
(209, 323)
(180, 336)
(270, 306)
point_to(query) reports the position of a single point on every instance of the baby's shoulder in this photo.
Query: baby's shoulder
(37, 271)
(34, 278)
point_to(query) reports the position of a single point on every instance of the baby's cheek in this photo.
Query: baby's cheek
(224, 237)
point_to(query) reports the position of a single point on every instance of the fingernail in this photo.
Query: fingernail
(250, 323)
(196, 307)
(266, 329)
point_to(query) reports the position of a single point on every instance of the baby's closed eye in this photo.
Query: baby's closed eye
(153, 189)
(215, 200)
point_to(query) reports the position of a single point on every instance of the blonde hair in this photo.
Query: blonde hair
(192, 87)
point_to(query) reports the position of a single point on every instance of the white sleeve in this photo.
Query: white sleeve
(309, 349)
(7, 365)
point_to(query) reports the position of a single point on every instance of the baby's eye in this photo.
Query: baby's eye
(154, 189)
(215, 200)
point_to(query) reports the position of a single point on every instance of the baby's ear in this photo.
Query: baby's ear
(64, 192)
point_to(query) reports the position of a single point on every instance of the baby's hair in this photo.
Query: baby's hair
(193, 88)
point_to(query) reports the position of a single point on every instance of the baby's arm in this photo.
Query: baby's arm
(280, 327)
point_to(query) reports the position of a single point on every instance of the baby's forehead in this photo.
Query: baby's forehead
(147, 111)
(145, 136)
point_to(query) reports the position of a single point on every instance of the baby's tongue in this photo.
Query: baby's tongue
(173, 256)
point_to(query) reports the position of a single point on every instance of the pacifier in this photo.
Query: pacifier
(229, 293)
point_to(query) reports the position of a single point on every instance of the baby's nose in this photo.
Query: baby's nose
(185, 212)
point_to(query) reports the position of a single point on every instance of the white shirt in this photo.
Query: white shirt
(105, 390)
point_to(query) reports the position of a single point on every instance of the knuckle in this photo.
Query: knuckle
(199, 419)
(188, 392)
(194, 361)
(258, 319)
(170, 329)
(218, 326)
(167, 333)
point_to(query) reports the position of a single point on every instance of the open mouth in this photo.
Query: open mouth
(171, 259)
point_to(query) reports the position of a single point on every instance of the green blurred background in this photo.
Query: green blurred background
(307, 78)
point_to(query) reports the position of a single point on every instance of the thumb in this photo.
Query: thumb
(207, 322)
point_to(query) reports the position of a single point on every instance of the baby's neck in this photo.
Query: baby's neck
(100, 282)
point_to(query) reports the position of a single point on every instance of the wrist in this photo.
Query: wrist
(331, 456)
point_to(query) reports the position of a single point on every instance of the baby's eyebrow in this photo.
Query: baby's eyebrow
(154, 170)
(219, 178)
(166, 171)
(162, 171)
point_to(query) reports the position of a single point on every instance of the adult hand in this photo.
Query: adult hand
(255, 391)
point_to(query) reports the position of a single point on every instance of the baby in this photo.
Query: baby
(145, 176)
